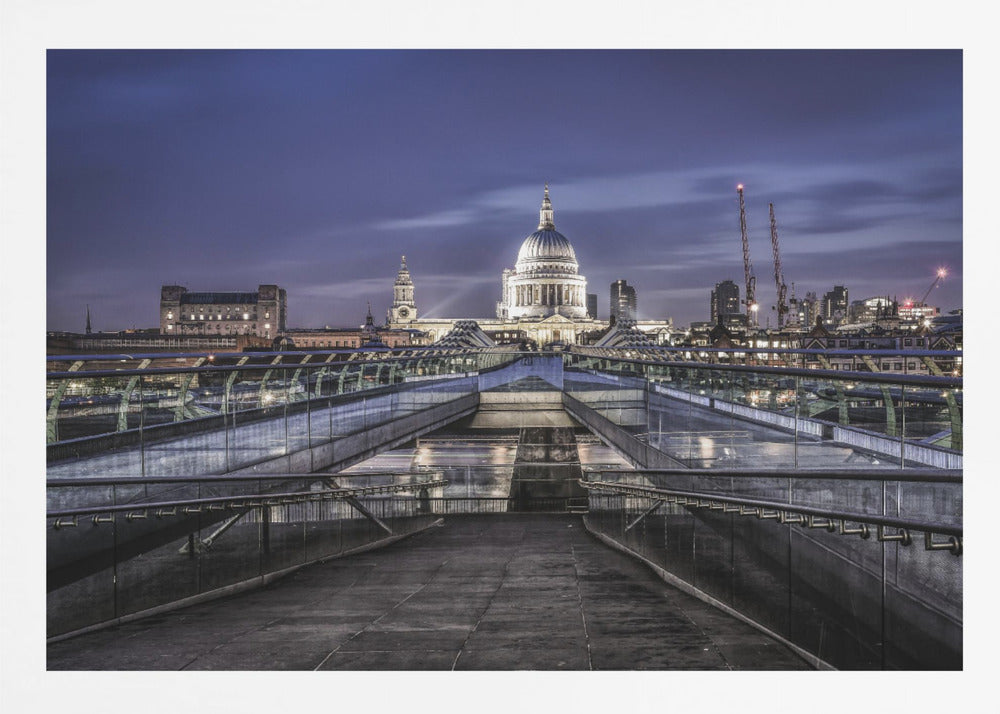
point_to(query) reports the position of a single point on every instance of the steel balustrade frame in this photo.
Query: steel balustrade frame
(236, 502)
(909, 380)
(785, 512)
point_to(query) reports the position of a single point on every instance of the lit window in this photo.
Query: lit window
(170, 327)
(267, 326)
(246, 316)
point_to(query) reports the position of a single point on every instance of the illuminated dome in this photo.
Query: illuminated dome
(545, 280)
(546, 249)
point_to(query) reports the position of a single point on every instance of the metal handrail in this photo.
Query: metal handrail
(224, 478)
(715, 501)
(242, 500)
(887, 474)
(840, 375)
(263, 355)
(881, 351)
(206, 368)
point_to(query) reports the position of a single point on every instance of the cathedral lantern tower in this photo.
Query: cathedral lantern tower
(403, 309)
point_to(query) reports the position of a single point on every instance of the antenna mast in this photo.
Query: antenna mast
(779, 280)
(751, 280)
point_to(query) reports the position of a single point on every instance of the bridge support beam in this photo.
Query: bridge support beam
(954, 410)
(52, 420)
(127, 395)
(843, 416)
(181, 411)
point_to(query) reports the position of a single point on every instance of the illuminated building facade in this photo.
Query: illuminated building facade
(261, 313)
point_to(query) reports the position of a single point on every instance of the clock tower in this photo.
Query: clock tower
(403, 308)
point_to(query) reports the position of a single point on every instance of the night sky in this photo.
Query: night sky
(316, 170)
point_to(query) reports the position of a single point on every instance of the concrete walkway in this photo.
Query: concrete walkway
(506, 592)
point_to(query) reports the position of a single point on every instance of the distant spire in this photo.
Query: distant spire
(88, 319)
(370, 332)
(545, 219)
(402, 265)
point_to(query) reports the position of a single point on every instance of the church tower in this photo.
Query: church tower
(403, 309)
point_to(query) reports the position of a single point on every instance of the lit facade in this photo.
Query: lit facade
(918, 313)
(404, 306)
(261, 313)
(725, 305)
(624, 303)
(347, 338)
(835, 304)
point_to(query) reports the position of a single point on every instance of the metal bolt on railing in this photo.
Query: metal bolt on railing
(60, 523)
(788, 517)
(766, 515)
(953, 544)
(135, 515)
(817, 522)
(161, 512)
(902, 536)
(862, 530)
(98, 519)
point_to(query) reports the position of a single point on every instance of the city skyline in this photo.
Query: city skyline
(222, 170)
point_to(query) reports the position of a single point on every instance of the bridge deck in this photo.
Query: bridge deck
(507, 592)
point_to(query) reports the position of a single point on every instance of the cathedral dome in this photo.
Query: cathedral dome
(545, 281)
(546, 248)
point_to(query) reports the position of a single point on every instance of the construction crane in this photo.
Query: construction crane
(779, 279)
(751, 280)
(941, 273)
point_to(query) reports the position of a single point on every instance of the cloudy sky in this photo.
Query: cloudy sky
(222, 170)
